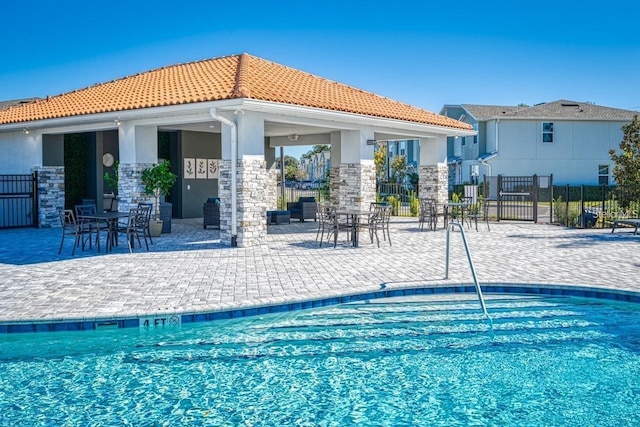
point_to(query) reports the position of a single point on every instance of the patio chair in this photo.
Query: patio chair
(328, 222)
(304, 208)
(385, 218)
(377, 220)
(428, 214)
(70, 227)
(137, 226)
(148, 207)
(211, 212)
(89, 225)
(481, 214)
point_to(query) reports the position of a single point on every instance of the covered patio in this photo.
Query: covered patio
(227, 114)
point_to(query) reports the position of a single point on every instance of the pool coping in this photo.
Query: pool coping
(250, 308)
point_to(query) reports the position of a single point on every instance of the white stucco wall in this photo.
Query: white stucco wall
(578, 149)
(20, 153)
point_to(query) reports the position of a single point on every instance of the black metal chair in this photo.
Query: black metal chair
(481, 214)
(386, 217)
(428, 213)
(89, 225)
(70, 227)
(378, 219)
(137, 226)
(149, 208)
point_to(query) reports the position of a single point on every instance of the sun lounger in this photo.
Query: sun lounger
(631, 222)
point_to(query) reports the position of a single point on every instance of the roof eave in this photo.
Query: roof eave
(353, 118)
(192, 112)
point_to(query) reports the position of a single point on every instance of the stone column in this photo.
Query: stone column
(334, 185)
(433, 174)
(130, 186)
(138, 147)
(252, 186)
(353, 175)
(357, 185)
(432, 182)
(273, 190)
(224, 193)
(50, 195)
(253, 190)
(253, 181)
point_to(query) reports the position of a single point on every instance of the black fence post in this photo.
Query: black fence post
(551, 199)
(603, 212)
(567, 206)
(581, 221)
(34, 191)
(535, 198)
(499, 204)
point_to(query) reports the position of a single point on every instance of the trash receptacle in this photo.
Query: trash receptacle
(166, 210)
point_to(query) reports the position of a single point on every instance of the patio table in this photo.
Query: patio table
(353, 215)
(463, 207)
(111, 219)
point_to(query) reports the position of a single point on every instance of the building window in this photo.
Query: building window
(475, 137)
(603, 174)
(547, 132)
(464, 140)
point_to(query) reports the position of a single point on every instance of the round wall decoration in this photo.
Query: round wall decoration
(107, 160)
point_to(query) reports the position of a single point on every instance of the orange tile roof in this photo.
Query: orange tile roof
(229, 77)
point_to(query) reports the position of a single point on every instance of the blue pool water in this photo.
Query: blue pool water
(403, 361)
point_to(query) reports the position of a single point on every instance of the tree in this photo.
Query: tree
(292, 172)
(398, 169)
(291, 161)
(626, 171)
(158, 181)
(380, 162)
(315, 150)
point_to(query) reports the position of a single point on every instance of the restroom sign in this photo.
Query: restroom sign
(160, 321)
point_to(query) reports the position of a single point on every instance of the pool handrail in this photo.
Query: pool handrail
(450, 227)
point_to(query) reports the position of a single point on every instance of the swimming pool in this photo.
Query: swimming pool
(423, 360)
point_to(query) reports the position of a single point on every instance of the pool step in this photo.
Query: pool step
(375, 329)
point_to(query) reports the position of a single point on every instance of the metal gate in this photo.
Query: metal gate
(18, 201)
(519, 197)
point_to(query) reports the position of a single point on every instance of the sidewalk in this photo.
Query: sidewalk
(189, 271)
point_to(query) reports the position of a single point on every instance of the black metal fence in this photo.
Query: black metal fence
(402, 197)
(18, 201)
(591, 205)
(292, 194)
(529, 198)
(568, 205)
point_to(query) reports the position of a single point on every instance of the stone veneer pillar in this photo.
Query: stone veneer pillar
(356, 185)
(432, 182)
(334, 185)
(130, 186)
(273, 190)
(253, 194)
(50, 195)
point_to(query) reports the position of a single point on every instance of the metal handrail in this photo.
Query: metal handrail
(473, 270)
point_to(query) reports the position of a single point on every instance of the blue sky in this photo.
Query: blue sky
(423, 53)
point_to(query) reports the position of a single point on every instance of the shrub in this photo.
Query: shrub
(564, 216)
(414, 206)
(395, 204)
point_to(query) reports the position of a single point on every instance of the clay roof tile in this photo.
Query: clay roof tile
(228, 77)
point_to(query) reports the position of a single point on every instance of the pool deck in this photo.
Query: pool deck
(189, 271)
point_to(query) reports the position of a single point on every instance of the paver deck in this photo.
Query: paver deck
(189, 271)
